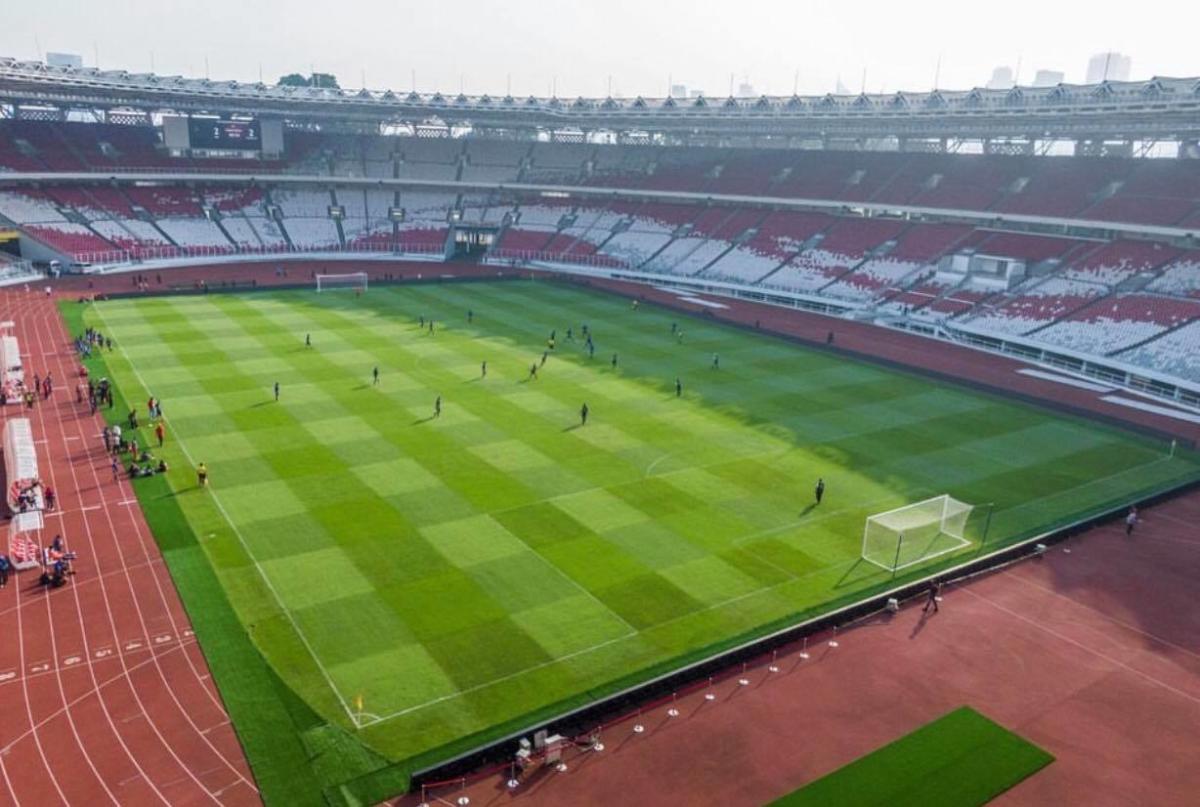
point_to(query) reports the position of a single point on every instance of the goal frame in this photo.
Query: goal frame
(323, 281)
(950, 507)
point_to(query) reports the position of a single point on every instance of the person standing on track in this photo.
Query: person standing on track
(1131, 520)
(935, 596)
(116, 468)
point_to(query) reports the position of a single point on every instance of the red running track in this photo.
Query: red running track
(1092, 652)
(108, 699)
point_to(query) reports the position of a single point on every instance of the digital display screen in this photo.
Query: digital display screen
(219, 133)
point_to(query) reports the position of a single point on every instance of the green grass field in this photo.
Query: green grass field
(959, 760)
(424, 584)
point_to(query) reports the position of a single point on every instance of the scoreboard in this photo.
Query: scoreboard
(224, 134)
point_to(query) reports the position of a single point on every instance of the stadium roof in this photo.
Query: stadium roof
(1158, 109)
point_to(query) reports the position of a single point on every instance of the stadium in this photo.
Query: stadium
(391, 446)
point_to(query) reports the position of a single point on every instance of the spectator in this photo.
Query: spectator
(5, 565)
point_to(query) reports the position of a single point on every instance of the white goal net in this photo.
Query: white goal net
(351, 281)
(916, 532)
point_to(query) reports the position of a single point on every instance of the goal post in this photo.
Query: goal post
(916, 533)
(349, 281)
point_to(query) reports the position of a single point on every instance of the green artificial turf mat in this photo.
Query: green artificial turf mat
(959, 760)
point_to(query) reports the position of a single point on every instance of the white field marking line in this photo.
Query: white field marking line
(48, 321)
(632, 631)
(241, 539)
(94, 691)
(1080, 645)
(1114, 620)
(1177, 520)
(1088, 483)
(650, 468)
(499, 680)
(714, 606)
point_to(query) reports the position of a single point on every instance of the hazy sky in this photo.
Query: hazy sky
(638, 43)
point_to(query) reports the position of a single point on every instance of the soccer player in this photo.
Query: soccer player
(483, 369)
(674, 327)
(679, 336)
(431, 324)
(614, 361)
(678, 388)
(591, 349)
(470, 316)
(570, 335)
(583, 413)
(160, 432)
(375, 376)
(308, 340)
(820, 491)
(533, 371)
(421, 322)
(635, 305)
(716, 365)
(1131, 520)
(437, 407)
(202, 475)
(277, 392)
(545, 353)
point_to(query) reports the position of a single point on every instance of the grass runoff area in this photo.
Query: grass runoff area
(410, 586)
(959, 760)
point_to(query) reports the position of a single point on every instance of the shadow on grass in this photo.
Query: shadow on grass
(419, 421)
(808, 509)
(573, 427)
(844, 579)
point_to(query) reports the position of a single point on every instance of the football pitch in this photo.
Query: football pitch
(420, 579)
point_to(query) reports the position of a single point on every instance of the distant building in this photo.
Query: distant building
(1048, 78)
(679, 91)
(1002, 79)
(745, 90)
(64, 60)
(1109, 67)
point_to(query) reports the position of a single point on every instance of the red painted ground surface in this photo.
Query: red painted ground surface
(1092, 654)
(107, 698)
